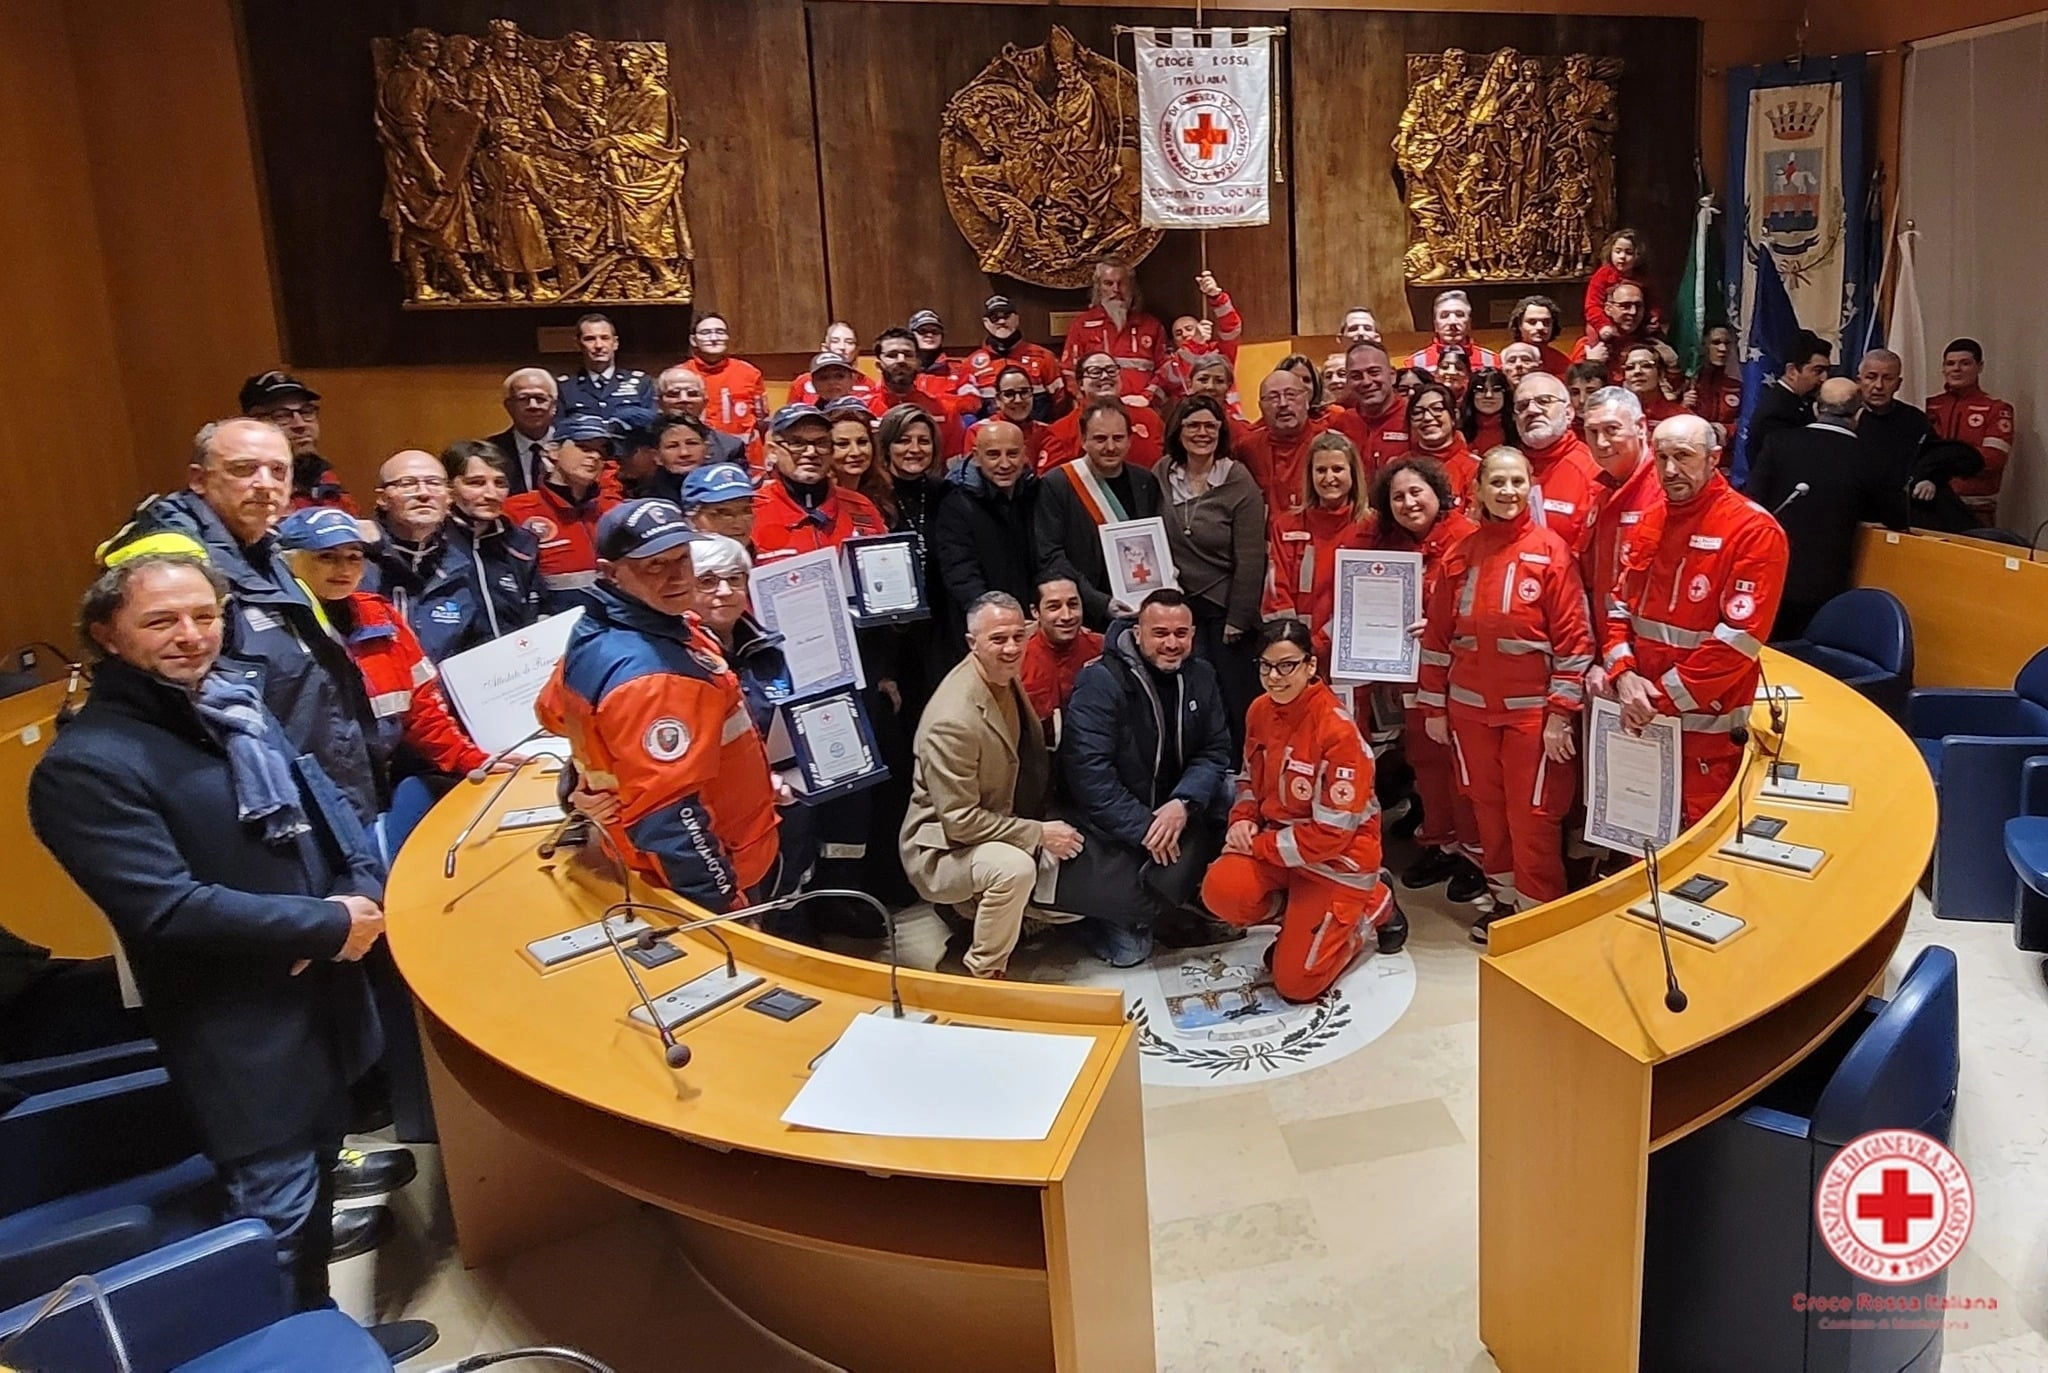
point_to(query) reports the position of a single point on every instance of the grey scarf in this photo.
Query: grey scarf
(266, 788)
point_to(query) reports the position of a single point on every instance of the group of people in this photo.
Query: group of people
(265, 725)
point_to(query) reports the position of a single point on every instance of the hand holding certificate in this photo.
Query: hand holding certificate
(1379, 595)
(1632, 780)
(803, 600)
(1138, 559)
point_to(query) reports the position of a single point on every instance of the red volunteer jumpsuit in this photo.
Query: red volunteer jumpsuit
(1717, 399)
(1179, 368)
(1628, 510)
(1301, 569)
(1308, 786)
(1040, 363)
(1492, 432)
(735, 399)
(1985, 423)
(1696, 595)
(1379, 438)
(1446, 810)
(1139, 348)
(567, 531)
(1432, 357)
(1048, 674)
(403, 687)
(1280, 466)
(1460, 464)
(782, 526)
(1564, 484)
(1063, 439)
(952, 434)
(1508, 644)
(950, 382)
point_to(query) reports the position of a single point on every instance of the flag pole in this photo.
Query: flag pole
(1202, 235)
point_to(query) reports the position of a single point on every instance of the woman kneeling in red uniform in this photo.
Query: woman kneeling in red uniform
(1304, 838)
(1505, 655)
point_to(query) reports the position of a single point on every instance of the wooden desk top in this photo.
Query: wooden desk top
(461, 945)
(1602, 967)
(1979, 609)
(44, 906)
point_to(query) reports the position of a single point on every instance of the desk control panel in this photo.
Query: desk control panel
(1703, 923)
(558, 949)
(1775, 853)
(1784, 788)
(700, 994)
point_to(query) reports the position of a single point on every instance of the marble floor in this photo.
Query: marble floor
(1322, 1223)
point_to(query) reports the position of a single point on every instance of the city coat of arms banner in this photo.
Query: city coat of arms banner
(1797, 183)
(1205, 116)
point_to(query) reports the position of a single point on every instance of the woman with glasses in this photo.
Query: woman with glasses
(1413, 512)
(1305, 833)
(1302, 545)
(1408, 380)
(1016, 399)
(1433, 434)
(1486, 421)
(1454, 373)
(1216, 530)
(1506, 646)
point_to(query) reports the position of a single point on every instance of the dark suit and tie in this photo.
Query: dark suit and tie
(1778, 410)
(525, 455)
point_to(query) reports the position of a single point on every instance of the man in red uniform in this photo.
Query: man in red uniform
(736, 401)
(1453, 319)
(1565, 478)
(577, 487)
(1197, 339)
(1697, 594)
(949, 381)
(1631, 317)
(1115, 323)
(1377, 422)
(798, 508)
(896, 360)
(1963, 412)
(841, 343)
(1534, 322)
(1101, 377)
(654, 715)
(1630, 501)
(1055, 655)
(1276, 452)
(1003, 345)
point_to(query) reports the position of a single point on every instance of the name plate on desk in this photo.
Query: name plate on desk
(1775, 853)
(1783, 788)
(698, 995)
(1703, 923)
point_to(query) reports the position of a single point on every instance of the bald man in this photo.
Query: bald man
(982, 535)
(1822, 482)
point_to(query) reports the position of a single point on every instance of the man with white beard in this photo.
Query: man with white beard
(1115, 323)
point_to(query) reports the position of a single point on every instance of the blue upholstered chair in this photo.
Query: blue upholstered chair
(32, 1075)
(94, 1173)
(1975, 743)
(210, 1303)
(1731, 1226)
(2026, 848)
(1863, 639)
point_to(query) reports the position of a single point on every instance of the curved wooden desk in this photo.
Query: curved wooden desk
(44, 906)
(1582, 1070)
(873, 1253)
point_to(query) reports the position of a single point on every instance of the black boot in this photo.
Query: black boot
(1467, 884)
(371, 1174)
(1393, 932)
(402, 1340)
(1435, 865)
(358, 1230)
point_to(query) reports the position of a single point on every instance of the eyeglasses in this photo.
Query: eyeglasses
(1539, 402)
(1424, 411)
(823, 445)
(1286, 667)
(310, 410)
(415, 484)
(1014, 393)
(1109, 371)
(715, 581)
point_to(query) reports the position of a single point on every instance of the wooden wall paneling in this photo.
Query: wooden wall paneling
(751, 190)
(1350, 85)
(881, 73)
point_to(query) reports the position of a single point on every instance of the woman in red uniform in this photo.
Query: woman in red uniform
(1304, 836)
(1413, 513)
(1487, 423)
(1433, 433)
(1713, 395)
(1506, 650)
(1301, 551)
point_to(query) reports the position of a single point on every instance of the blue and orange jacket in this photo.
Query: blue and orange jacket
(651, 710)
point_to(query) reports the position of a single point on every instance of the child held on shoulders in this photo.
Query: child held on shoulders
(1623, 260)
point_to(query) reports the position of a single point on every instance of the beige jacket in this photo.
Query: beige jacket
(969, 785)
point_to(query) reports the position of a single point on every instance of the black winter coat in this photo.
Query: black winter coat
(982, 539)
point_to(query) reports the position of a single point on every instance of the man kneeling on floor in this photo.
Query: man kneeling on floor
(1146, 759)
(1304, 837)
(981, 773)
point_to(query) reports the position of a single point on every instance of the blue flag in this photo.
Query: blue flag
(1773, 325)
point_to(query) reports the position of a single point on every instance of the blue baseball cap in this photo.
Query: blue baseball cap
(790, 415)
(716, 483)
(583, 428)
(319, 527)
(641, 529)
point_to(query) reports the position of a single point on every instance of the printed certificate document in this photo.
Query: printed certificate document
(1378, 596)
(1632, 780)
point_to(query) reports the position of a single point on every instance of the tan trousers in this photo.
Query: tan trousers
(995, 880)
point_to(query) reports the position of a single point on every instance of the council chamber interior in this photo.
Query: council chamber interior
(892, 686)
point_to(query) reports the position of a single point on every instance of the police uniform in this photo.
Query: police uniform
(625, 394)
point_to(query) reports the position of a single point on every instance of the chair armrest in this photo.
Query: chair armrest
(57, 1143)
(2034, 786)
(1936, 712)
(41, 1263)
(1776, 1122)
(33, 1075)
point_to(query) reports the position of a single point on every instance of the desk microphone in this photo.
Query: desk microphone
(478, 775)
(1797, 492)
(674, 1051)
(1741, 737)
(1674, 995)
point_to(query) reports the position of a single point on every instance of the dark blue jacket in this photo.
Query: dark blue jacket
(309, 682)
(1111, 753)
(626, 396)
(462, 589)
(982, 541)
(136, 802)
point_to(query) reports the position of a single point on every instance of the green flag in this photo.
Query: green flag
(1700, 305)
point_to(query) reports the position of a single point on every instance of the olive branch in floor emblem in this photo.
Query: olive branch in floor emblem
(1327, 1017)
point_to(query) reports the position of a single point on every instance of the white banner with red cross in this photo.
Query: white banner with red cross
(1205, 118)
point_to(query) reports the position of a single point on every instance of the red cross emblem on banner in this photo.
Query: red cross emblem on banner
(1895, 1205)
(1206, 137)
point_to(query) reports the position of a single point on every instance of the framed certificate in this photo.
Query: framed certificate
(831, 746)
(887, 577)
(1632, 780)
(1378, 596)
(803, 599)
(1138, 559)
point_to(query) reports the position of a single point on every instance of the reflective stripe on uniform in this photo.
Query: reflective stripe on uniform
(1467, 591)
(391, 703)
(1524, 702)
(422, 672)
(1615, 655)
(1567, 689)
(1335, 819)
(1713, 724)
(1463, 643)
(1671, 636)
(1742, 641)
(1357, 881)
(1674, 687)
(1430, 698)
(1468, 698)
(1431, 658)
(1290, 852)
(567, 581)
(1512, 646)
(736, 725)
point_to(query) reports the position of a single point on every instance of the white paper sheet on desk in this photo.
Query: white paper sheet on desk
(494, 685)
(925, 1081)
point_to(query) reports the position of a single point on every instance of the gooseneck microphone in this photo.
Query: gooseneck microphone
(674, 1051)
(1741, 738)
(1674, 995)
(1797, 492)
(479, 774)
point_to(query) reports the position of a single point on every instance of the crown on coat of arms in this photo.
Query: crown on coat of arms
(1795, 119)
